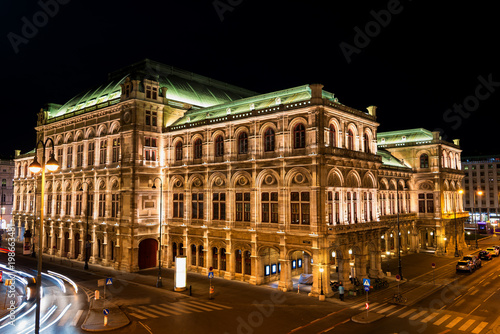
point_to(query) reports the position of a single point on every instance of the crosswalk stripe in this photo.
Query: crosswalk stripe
(175, 308)
(196, 306)
(228, 307)
(397, 310)
(479, 328)
(358, 305)
(158, 307)
(386, 309)
(151, 310)
(186, 307)
(466, 325)
(418, 315)
(429, 317)
(442, 319)
(76, 318)
(454, 322)
(407, 313)
(371, 306)
(376, 307)
(135, 309)
(137, 316)
(63, 320)
(198, 303)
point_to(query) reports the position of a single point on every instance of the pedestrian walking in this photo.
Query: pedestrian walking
(341, 292)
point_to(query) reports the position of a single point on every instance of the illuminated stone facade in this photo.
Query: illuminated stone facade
(261, 187)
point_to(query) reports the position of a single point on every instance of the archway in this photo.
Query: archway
(148, 249)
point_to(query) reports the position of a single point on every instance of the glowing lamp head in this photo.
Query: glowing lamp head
(321, 269)
(52, 165)
(460, 191)
(35, 166)
(480, 192)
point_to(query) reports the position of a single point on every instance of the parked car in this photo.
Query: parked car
(494, 251)
(474, 259)
(485, 255)
(464, 265)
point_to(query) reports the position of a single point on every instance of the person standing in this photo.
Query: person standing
(341, 292)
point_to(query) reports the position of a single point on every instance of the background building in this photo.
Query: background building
(6, 192)
(261, 187)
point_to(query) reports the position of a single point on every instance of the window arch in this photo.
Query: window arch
(198, 149)
(350, 140)
(332, 136)
(178, 151)
(269, 140)
(424, 161)
(299, 136)
(243, 143)
(219, 146)
(366, 143)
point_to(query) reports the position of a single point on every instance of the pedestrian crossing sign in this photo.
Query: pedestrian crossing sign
(366, 282)
(109, 281)
(210, 274)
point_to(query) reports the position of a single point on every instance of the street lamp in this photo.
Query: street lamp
(158, 281)
(33, 252)
(460, 192)
(87, 241)
(35, 168)
(400, 269)
(479, 193)
(321, 269)
(445, 244)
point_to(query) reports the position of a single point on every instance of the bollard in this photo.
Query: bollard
(190, 290)
(96, 294)
(298, 288)
(105, 320)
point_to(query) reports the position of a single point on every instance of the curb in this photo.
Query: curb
(93, 322)
(363, 319)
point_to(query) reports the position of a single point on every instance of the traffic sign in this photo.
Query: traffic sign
(398, 278)
(433, 265)
(1, 276)
(210, 274)
(366, 282)
(367, 306)
(109, 281)
(105, 311)
(367, 288)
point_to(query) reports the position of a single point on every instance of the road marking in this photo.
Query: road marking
(198, 303)
(396, 311)
(418, 315)
(466, 325)
(358, 305)
(386, 309)
(146, 327)
(77, 318)
(474, 292)
(407, 313)
(487, 283)
(460, 302)
(63, 320)
(135, 309)
(196, 306)
(340, 323)
(376, 307)
(442, 319)
(180, 304)
(164, 310)
(479, 328)
(149, 309)
(137, 316)
(228, 307)
(175, 308)
(429, 317)
(454, 322)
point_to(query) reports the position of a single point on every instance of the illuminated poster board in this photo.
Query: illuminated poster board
(180, 273)
(27, 246)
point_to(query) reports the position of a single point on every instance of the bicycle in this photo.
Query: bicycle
(399, 298)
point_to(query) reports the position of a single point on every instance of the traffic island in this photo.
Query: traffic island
(97, 321)
(364, 318)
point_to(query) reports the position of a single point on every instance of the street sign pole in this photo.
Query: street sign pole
(210, 288)
(433, 278)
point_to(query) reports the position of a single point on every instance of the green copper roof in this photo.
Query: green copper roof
(182, 86)
(389, 160)
(418, 135)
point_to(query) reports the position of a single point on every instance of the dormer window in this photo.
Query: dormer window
(151, 92)
(403, 138)
(151, 117)
(382, 140)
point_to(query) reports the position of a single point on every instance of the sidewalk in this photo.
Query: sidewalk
(94, 322)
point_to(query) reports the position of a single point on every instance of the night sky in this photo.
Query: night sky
(423, 64)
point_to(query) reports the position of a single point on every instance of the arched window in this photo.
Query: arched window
(424, 161)
(332, 136)
(243, 143)
(178, 151)
(366, 143)
(198, 149)
(219, 146)
(350, 140)
(269, 140)
(299, 135)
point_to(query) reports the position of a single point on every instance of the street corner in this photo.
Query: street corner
(364, 318)
(104, 316)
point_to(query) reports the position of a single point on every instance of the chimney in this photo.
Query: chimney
(372, 110)
(456, 142)
(316, 92)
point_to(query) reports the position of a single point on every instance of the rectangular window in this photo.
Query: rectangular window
(102, 205)
(68, 205)
(102, 152)
(115, 205)
(78, 205)
(243, 207)
(430, 203)
(58, 204)
(150, 149)
(69, 156)
(178, 205)
(79, 155)
(197, 206)
(300, 209)
(49, 204)
(90, 154)
(116, 150)
(90, 205)
(219, 206)
(269, 204)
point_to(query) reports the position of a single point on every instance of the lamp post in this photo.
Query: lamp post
(33, 252)
(460, 192)
(87, 241)
(479, 193)
(158, 281)
(445, 245)
(35, 167)
(321, 269)
(400, 269)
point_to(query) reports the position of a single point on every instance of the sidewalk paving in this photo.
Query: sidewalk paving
(94, 322)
